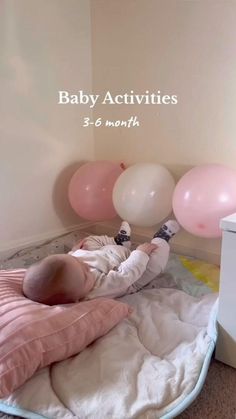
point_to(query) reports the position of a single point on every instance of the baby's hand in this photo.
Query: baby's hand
(79, 245)
(147, 248)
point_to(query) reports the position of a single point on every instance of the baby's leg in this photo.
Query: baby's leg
(156, 264)
(97, 242)
(159, 257)
(123, 236)
(94, 243)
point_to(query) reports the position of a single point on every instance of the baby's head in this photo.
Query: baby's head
(58, 279)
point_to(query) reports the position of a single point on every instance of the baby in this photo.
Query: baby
(99, 266)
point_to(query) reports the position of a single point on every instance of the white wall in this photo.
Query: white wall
(179, 47)
(44, 46)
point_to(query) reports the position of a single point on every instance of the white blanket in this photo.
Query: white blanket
(142, 368)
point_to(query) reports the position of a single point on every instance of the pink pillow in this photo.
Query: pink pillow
(33, 335)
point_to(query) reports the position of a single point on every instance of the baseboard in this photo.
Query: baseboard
(204, 255)
(16, 245)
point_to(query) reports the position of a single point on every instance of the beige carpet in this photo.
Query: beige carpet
(217, 399)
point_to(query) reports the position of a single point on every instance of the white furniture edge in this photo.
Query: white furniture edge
(226, 342)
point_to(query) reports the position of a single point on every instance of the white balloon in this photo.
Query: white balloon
(142, 194)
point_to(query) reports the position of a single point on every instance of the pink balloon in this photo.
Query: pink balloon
(90, 190)
(203, 196)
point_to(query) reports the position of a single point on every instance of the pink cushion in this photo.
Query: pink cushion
(33, 335)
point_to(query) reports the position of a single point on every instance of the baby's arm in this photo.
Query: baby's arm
(116, 282)
(78, 245)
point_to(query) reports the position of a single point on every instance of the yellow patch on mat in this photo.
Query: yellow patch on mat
(205, 272)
